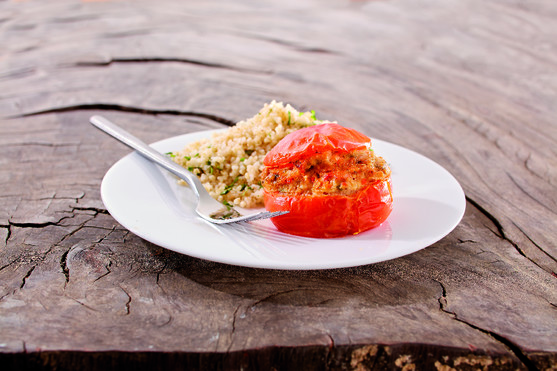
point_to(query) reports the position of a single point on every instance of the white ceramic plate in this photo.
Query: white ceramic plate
(428, 204)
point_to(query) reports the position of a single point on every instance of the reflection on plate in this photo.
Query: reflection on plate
(428, 204)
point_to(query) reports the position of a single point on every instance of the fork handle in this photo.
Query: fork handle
(146, 151)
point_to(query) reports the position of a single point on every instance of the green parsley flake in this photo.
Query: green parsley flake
(229, 187)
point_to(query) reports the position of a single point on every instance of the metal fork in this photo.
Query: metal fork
(207, 207)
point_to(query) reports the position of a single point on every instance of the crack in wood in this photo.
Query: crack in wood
(8, 229)
(332, 341)
(233, 328)
(94, 209)
(101, 239)
(159, 274)
(31, 225)
(27, 275)
(466, 241)
(514, 348)
(38, 225)
(329, 354)
(491, 217)
(500, 230)
(64, 266)
(443, 298)
(9, 264)
(54, 196)
(80, 227)
(123, 108)
(108, 271)
(166, 60)
(126, 234)
(128, 303)
(534, 243)
(509, 344)
(83, 304)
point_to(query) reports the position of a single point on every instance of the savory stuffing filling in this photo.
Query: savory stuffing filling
(327, 173)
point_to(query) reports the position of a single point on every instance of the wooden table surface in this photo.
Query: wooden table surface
(470, 84)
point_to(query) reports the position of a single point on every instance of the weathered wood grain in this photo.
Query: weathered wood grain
(470, 84)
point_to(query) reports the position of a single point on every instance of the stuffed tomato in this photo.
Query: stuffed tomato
(329, 179)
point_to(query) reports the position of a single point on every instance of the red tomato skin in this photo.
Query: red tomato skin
(320, 138)
(331, 216)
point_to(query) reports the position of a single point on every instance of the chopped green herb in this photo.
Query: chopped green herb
(187, 157)
(196, 155)
(289, 118)
(242, 159)
(227, 204)
(229, 187)
(244, 186)
(313, 115)
(171, 154)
